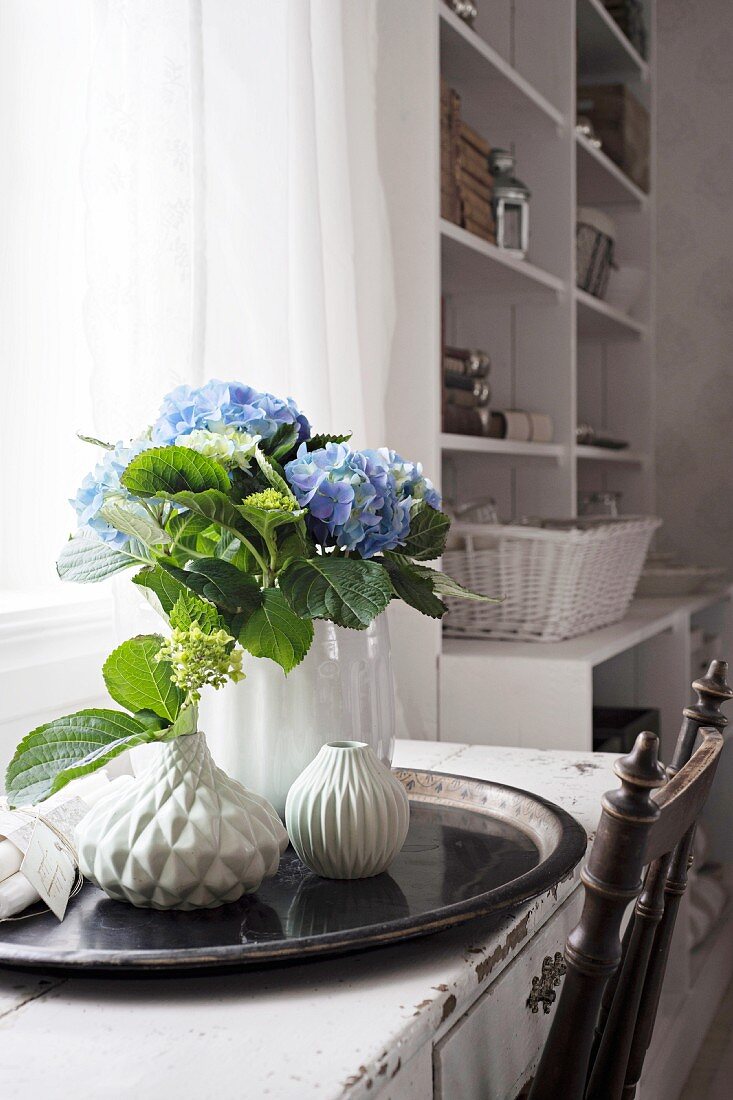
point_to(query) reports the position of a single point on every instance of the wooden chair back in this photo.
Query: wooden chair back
(605, 1014)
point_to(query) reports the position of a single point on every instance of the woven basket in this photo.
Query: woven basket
(555, 583)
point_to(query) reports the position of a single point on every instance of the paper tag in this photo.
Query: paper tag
(18, 827)
(49, 868)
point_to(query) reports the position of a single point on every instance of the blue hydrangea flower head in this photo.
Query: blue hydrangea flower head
(352, 499)
(103, 482)
(408, 477)
(220, 405)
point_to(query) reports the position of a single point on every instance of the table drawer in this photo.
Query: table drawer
(495, 1046)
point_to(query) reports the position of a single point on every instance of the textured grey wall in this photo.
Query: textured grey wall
(695, 279)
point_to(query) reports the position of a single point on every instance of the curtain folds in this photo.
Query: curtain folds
(235, 220)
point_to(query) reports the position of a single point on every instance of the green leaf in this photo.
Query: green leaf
(186, 722)
(292, 542)
(95, 442)
(190, 608)
(413, 587)
(428, 532)
(446, 586)
(131, 519)
(275, 631)
(86, 559)
(66, 748)
(274, 474)
(164, 471)
(190, 531)
(214, 507)
(316, 442)
(151, 721)
(160, 588)
(137, 681)
(267, 520)
(348, 591)
(223, 584)
(284, 440)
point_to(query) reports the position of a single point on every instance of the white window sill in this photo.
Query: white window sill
(64, 607)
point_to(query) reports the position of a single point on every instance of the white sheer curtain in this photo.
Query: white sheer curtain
(236, 225)
(190, 189)
(45, 51)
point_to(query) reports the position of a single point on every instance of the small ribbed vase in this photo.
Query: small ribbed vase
(181, 836)
(346, 813)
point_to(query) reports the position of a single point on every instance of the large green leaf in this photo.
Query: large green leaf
(137, 681)
(164, 471)
(275, 631)
(131, 519)
(428, 532)
(66, 748)
(86, 559)
(223, 584)
(348, 591)
(412, 586)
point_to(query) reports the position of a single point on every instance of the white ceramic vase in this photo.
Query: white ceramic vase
(347, 814)
(181, 836)
(264, 730)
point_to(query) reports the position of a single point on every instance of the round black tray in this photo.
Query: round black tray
(473, 848)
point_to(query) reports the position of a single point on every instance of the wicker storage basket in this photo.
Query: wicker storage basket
(555, 583)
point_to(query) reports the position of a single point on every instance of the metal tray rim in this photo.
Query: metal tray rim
(556, 866)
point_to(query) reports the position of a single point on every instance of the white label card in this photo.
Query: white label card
(49, 868)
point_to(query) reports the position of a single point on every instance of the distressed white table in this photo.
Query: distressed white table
(442, 1017)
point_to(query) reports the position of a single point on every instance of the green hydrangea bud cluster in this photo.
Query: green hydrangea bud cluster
(272, 499)
(199, 659)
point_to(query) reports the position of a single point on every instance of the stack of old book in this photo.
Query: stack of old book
(465, 180)
(466, 391)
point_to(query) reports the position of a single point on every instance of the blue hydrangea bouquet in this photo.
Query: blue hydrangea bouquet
(244, 527)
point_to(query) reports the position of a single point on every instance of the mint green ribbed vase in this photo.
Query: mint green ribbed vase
(347, 814)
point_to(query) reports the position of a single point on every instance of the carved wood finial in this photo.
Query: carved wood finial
(712, 691)
(640, 773)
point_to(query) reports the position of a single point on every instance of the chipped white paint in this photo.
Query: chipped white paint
(343, 1029)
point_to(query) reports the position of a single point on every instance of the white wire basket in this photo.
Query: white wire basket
(555, 582)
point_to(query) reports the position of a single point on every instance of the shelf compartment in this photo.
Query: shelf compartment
(470, 64)
(472, 264)
(600, 181)
(599, 321)
(510, 448)
(605, 454)
(602, 45)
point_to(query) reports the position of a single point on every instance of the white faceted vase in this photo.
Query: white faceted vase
(347, 814)
(181, 836)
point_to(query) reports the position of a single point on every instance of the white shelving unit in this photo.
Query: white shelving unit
(554, 348)
(508, 448)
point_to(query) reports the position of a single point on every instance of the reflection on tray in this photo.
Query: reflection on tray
(325, 905)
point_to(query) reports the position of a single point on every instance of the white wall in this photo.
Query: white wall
(695, 279)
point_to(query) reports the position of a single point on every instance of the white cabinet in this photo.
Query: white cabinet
(493, 1049)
